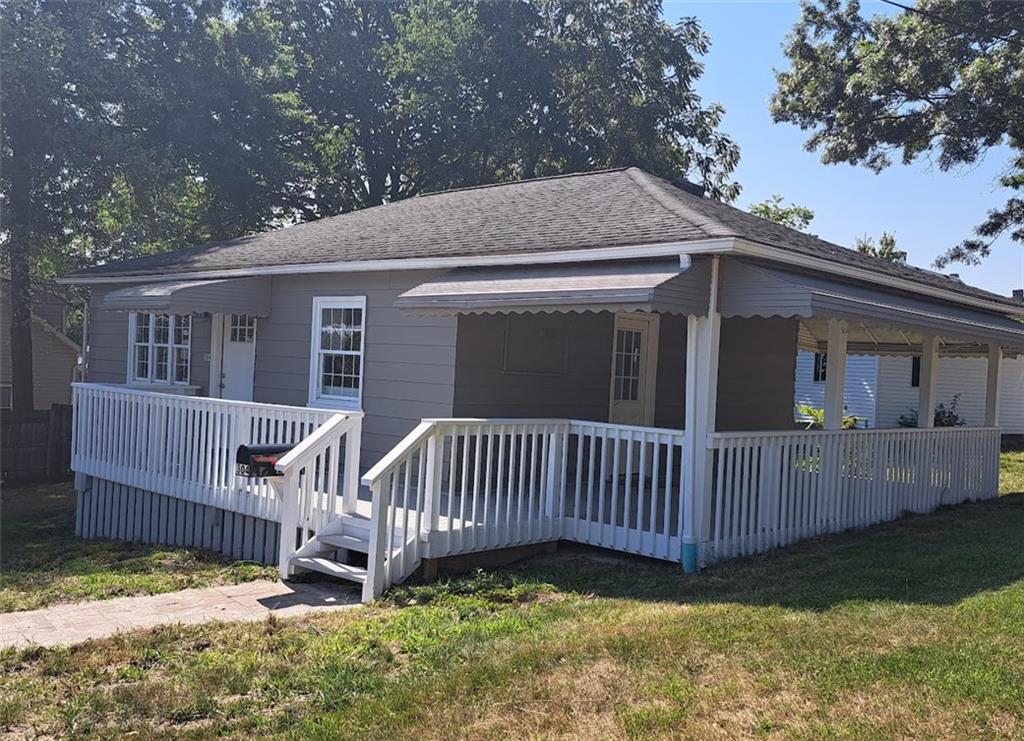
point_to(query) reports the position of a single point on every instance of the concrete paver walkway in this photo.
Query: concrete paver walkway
(63, 625)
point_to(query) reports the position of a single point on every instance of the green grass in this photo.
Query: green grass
(911, 629)
(42, 563)
(1011, 470)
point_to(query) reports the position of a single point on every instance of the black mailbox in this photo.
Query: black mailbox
(255, 461)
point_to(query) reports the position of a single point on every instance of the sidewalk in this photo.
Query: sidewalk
(64, 625)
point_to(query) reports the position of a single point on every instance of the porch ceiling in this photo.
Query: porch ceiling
(238, 296)
(880, 322)
(648, 285)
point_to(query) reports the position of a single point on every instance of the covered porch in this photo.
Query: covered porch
(641, 406)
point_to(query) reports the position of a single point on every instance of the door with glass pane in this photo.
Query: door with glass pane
(634, 364)
(238, 357)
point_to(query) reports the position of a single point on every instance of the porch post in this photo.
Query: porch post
(995, 358)
(835, 374)
(702, 344)
(929, 375)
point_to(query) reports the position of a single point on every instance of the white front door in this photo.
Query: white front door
(634, 365)
(237, 356)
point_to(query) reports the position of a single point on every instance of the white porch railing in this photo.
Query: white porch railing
(774, 488)
(182, 446)
(457, 486)
(319, 481)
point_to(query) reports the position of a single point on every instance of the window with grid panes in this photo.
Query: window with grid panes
(336, 363)
(161, 348)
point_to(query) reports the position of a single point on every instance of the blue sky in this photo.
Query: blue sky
(927, 209)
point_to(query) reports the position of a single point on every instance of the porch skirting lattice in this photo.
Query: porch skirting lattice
(106, 509)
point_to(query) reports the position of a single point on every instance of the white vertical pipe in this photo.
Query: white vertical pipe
(703, 335)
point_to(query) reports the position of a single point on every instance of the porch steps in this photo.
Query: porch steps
(331, 568)
(346, 541)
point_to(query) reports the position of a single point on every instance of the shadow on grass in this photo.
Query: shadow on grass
(939, 559)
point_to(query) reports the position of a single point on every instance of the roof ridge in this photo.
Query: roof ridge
(644, 179)
(481, 186)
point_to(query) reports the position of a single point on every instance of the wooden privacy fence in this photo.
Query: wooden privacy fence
(37, 445)
(774, 488)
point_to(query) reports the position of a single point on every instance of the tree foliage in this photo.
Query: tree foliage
(885, 249)
(134, 126)
(941, 80)
(793, 216)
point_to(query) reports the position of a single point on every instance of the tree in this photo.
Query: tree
(885, 249)
(132, 127)
(57, 138)
(407, 97)
(941, 79)
(793, 216)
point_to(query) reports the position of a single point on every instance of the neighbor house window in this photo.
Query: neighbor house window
(160, 348)
(820, 367)
(915, 372)
(336, 353)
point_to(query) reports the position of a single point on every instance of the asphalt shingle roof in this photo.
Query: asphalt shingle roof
(608, 208)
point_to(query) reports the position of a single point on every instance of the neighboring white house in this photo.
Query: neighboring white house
(880, 389)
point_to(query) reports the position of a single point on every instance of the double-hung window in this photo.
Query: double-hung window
(336, 352)
(160, 348)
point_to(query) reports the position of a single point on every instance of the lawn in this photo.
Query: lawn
(911, 629)
(1011, 470)
(42, 563)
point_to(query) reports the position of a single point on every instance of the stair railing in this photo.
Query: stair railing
(403, 485)
(319, 481)
(463, 485)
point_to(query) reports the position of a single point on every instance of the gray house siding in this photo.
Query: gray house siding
(409, 361)
(419, 367)
(107, 352)
(670, 399)
(485, 387)
(755, 377)
(757, 361)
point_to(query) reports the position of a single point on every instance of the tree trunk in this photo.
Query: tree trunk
(22, 382)
(20, 243)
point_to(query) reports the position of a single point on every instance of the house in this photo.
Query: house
(605, 358)
(882, 389)
(54, 355)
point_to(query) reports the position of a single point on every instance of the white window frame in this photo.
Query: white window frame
(151, 379)
(315, 398)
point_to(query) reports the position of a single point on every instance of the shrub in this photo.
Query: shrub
(945, 415)
(814, 418)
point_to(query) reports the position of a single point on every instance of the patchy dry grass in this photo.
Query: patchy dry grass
(1011, 470)
(912, 629)
(42, 563)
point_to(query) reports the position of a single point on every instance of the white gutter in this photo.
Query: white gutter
(628, 252)
(722, 245)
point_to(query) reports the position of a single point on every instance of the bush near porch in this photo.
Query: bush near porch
(42, 563)
(909, 629)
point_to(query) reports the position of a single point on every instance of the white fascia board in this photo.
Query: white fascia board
(598, 254)
(777, 254)
(721, 245)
